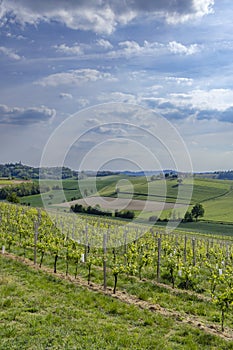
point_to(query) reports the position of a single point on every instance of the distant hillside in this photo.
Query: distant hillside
(21, 171)
(225, 175)
(25, 172)
(220, 175)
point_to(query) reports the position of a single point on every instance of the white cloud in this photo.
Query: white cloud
(102, 16)
(25, 116)
(9, 53)
(197, 9)
(180, 80)
(181, 49)
(66, 96)
(75, 77)
(69, 50)
(17, 37)
(132, 48)
(214, 99)
(83, 102)
(118, 97)
(104, 43)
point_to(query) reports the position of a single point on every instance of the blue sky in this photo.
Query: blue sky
(170, 57)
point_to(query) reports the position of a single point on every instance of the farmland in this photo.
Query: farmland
(41, 311)
(215, 195)
(131, 258)
(145, 280)
(8, 182)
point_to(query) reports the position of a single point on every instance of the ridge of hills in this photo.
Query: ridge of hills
(22, 171)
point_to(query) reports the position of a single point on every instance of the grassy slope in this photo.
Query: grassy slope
(72, 188)
(203, 189)
(216, 195)
(39, 311)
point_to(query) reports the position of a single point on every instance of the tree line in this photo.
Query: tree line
(79, 208)
(13, 192)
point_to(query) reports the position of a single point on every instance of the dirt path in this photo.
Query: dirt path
(133, 300)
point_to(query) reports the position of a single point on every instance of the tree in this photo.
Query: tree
(197, 211)
(188, 217)
(179, 180)
(13, 198)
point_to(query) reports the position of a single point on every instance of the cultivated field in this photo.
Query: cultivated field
(109, 203)
(160, 289)
(216, 196)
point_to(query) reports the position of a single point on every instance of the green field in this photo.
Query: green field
(5, 182)
(8, 182)
(40, 311)
(72, 189)
(203, 189)
(215, 195)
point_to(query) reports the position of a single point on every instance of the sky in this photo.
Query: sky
(105, 84)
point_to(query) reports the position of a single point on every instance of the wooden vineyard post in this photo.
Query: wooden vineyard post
(207, 249)
(227, 253)
(159, 258)
(125, 245)
(35, 241)
(194, 251)
(185, 248)
(105, 260)
(86, 243)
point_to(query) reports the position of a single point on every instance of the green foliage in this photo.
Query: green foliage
(197, 211)
(12, 197)
(125, 214)
(21, 190)
(188, 217)
(40, 312)
(185, 262)
(78, 208)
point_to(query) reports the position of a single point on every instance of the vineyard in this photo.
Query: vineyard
(138, 260)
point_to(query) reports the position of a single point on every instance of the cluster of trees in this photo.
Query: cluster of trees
(11, 193)
(78, 208)
(19, 171)
(171, 175)
(125, 214)
(196, 212)
(25, 172)
(190, 216)
(225, 175)
(57, 173)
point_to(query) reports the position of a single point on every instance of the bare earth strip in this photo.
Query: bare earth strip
(122, 204)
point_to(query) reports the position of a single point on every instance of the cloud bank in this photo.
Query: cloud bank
(102, 16)
(25, 116)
